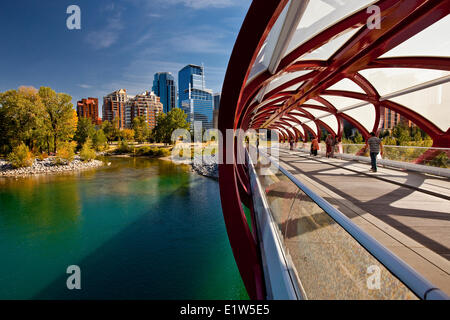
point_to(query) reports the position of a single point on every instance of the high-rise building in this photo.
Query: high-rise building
(164, 88)
(145, 104)
(389, 119)
(88, 108)
(216, 110)
(114, 106)
(193, 97)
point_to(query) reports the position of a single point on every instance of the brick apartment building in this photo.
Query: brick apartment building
(88, 108)
(114, 105)
(389, 119)
(147, 104)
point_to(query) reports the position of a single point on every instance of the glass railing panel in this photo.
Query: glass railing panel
(328, 262)
(280, 193)
(437, 157)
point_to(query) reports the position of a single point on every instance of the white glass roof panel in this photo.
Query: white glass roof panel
(265, 53)
(300, 118)
(321, 14)
(332, 122)
(311, 125)
(365, 115)
(341, 102)
(282, 131)
(292, 123)
(432, 103)
(433, 41)
(290, 130)
(346, 85)
(268, 102)
(299, 128)
(314, 103)
(327, 50)
(293, 88)
(390, 80)
(284, 78)
(316, 113)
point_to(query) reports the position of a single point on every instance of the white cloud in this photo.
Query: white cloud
(201, 4)
(205, 43)
(193, 4)
(85, 86)
(107, 36)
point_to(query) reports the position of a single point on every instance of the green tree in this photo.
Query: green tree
(20, 156)
(60, 119)
(85, 130)
(21, 117)
(358, 138)
(167, 123)
(402, 134)
(99, 140)
(141, 129)
(87, 153)
(108, 130)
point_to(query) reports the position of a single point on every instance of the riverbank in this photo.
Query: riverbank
(47, 166)
(205, 169)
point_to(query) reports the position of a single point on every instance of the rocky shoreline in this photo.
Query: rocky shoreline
(206, 169)
(47, 166)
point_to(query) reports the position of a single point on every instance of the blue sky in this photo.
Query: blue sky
(121, 43)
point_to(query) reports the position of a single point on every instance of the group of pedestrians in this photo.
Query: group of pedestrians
(373, 144)
(331, 143)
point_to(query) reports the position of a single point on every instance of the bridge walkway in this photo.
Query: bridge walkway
(407, 212)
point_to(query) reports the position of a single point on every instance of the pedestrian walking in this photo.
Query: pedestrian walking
(329, 141)
(314, 146)
(333, 146)
(375, 147)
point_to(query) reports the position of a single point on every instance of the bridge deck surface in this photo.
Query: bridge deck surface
(407, 212)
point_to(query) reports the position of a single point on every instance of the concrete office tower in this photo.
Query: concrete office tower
(88, 108)
(145, 104)
(114, 106)
(193, 97)
(164, 88)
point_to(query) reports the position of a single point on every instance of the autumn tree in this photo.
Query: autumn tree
(60, 118)
(126, 134)
(141, 128)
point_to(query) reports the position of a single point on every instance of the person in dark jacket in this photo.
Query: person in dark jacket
(375, 147)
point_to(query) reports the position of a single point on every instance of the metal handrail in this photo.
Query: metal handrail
(413, 280)
(391, 146)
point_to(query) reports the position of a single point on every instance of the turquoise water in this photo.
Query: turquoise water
(139, 229)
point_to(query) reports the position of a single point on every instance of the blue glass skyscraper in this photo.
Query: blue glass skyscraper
(164, 88)
(193, 97)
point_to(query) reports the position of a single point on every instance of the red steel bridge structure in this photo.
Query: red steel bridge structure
(299, 66)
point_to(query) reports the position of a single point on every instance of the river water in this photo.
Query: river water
(138, 229)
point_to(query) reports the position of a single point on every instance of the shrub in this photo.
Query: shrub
(20, 156)
(123, 147)
(99, 141)
(440, 161)
(152, 152)
(42, 156)
(143, 151)
(87, 153)
(162, 152)
(66, 152)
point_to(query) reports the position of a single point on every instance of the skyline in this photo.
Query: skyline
(120, 45)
